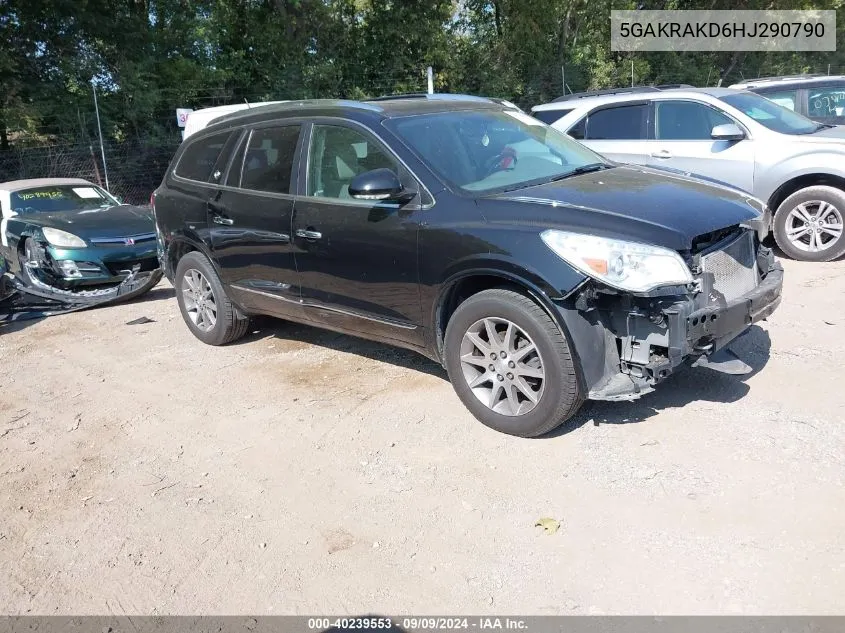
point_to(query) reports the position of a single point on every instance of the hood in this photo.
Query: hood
(628, 202)
(118, 221)
(826, 136)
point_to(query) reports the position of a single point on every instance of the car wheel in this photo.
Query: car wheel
(206, 308)
(510, 364)
(808, 225)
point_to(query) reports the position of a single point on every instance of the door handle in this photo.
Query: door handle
(663, 153)
(308, 234)
(219, 219)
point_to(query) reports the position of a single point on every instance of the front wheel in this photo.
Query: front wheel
(204, 305)
(510, 364)
(808, 225)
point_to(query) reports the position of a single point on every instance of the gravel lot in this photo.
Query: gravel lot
(302, 472)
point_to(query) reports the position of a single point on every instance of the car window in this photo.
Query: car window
(57, 198)
(488, 150)
(826, 102)
(770, 114)
(618, 123)
(550, 116)
(686, 121)
(784, 98)
(268, 161)
(578, 130)
(336, 156)
(199, 157)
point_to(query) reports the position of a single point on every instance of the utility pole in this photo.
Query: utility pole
(430, 74)
(100, 132)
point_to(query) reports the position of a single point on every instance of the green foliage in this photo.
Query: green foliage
(148, 57)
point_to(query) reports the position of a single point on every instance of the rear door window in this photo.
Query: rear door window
(199, 158)
(269, 158)
(626, 122)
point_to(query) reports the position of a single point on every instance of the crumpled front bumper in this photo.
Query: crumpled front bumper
(626, 345)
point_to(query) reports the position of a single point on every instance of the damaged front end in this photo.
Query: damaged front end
(80, 283)
(628, 342)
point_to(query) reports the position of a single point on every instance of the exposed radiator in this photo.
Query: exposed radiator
(734, 267)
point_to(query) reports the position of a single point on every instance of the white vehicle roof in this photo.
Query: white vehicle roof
(199, 119)
(18, 185)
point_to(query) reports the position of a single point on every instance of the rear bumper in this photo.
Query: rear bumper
(628, 345)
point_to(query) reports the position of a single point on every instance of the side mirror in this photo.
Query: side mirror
(727, 132)
(377, 184)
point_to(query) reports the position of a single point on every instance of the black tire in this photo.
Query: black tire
(831, 195)
(229, 325)
(560, 397)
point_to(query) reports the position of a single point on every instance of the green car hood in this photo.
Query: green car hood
(118, 221)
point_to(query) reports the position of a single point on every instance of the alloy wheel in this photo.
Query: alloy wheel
(502, 366)
(199, 300)
(814, 226)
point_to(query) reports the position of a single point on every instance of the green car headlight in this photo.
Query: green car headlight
(62, 239)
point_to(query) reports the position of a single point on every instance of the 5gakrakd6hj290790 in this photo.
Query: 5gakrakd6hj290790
(538, 273)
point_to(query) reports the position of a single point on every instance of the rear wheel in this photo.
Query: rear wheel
(808, 225)
(206, 308)
(510, 364)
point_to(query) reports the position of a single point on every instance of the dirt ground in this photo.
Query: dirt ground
(302, 472)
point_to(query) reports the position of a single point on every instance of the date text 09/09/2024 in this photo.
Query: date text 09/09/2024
(418, 623)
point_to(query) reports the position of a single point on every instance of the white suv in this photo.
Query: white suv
(739, 138)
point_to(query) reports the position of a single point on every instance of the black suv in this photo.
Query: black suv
(535, 271)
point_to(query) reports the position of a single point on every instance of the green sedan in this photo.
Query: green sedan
(71, 238)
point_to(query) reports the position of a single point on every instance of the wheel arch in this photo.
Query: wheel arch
(466, 283)
(180, 246)
(803, 181)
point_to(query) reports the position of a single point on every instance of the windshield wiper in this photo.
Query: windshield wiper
(583, 169)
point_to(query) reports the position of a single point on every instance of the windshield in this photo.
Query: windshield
(56, 198)
(770, 114)
(479, 151)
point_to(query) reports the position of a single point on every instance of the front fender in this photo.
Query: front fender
(805, 164)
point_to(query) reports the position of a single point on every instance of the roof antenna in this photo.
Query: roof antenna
(247, 104)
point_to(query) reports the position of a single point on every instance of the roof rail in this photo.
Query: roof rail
(673, 86)
(439, 96)
(783, 78)
(611, 91)
(409, 95)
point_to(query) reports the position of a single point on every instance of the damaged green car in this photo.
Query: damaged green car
(70, 239)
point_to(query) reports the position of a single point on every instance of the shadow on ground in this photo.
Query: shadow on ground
(264, 327)
(685, 386)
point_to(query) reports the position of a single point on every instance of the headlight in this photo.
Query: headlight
(62, 239)
(625, 265)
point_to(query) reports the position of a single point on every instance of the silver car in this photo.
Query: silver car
(794, 165)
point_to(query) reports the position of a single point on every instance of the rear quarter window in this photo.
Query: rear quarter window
(198, 159)
(550, 116)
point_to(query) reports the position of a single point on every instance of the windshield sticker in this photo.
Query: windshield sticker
(87, 192)
(524, 118)
(41, 195)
